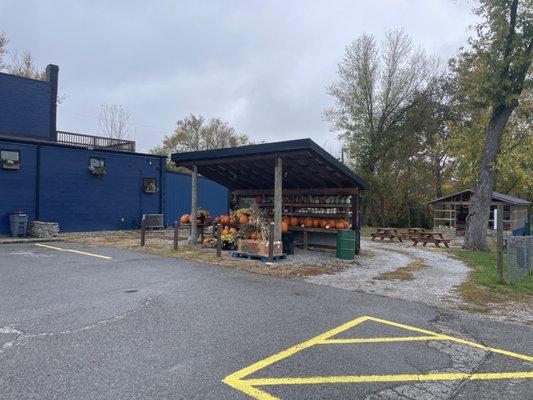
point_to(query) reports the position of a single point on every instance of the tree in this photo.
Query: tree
(194, 133)
(494, 73)
(3, 50)
(25, 66)
(113, 121)
(375, 97)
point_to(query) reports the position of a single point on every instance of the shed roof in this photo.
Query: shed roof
(305, 165)
(495, 196)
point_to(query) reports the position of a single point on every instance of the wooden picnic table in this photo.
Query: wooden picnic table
(426, 237)
(387, 233)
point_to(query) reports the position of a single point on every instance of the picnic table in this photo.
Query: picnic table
(426, 237)
(387, 233)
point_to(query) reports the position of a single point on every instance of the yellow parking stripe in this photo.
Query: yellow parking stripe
(73, 251)
(388, 378)
(383, 339)
(249, 386)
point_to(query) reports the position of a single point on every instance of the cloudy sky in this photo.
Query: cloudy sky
(261, 65)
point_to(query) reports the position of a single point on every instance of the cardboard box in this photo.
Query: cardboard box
(258, 247)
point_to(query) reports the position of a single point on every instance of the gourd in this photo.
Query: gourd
(185, 219)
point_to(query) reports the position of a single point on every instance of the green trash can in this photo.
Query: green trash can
(346, 244)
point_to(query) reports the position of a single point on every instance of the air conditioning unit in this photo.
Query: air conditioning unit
(153, 221)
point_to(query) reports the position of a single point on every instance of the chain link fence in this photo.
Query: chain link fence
(519, 257)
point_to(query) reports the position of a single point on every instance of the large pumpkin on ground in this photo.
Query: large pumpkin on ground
(185, 219)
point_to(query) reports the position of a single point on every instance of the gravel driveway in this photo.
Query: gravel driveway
(434, 277)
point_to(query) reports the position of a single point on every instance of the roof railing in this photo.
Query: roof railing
(95, 142)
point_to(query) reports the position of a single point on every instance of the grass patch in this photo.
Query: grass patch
(366, 231)
(483, 287)
(402, 273)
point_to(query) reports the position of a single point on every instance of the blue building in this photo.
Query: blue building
(83, 182)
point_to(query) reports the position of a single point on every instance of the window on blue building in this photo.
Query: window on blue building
(10, 159)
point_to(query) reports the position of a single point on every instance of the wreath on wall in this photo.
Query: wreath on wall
(98, 170)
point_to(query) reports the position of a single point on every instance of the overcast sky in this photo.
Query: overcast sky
(263, 66)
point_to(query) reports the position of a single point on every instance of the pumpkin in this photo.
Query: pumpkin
(225, 231)
(323, 223)
(217, 220)
(346, 224)
(254, 236)
(332, 223)
(293, 221)
(225, 219)
(243, 219)
(316, 223)
(339, 225)
(206, 241)
(185, 219)
(284, 226)
(308, 222)
(232, 230)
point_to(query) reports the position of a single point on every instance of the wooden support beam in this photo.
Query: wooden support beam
(278, 198)
(193, 238)
(176, 233)
(143, 231)
(356, 221)
(219, 240)
(271, 234)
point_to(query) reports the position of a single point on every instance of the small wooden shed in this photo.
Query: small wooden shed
(452, 210)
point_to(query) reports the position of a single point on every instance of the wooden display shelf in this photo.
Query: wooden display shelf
(332, 205)
(321, 230)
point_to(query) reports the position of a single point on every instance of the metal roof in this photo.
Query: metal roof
(495, 196)
(305, 165)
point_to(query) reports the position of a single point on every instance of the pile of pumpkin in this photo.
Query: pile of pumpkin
(317, 223)
(202, 217)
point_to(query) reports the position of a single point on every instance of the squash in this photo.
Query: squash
(243, 219)
(323, 223)
(185, 219)
(293, 221)
(284, 226)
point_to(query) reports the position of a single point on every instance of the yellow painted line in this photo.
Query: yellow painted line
(248, 386)
(451, 338)
(235, 379)
(73, 251)
(388, 378)
(383, 339)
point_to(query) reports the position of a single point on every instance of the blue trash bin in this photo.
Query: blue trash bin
(18, 223)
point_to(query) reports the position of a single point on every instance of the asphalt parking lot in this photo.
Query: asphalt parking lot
(92, 323)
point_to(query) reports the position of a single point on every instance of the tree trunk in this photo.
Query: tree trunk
(477, 220)
(437, 171)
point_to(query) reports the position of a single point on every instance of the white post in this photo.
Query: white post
(193, 238)
(278, 198)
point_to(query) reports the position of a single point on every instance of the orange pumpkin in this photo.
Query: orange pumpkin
(284, 226)
(225, 219)
(185, 219)
(308, 222)
(243, 219)
(316, 223)
(225, 231)
(339, 225)
(217, 220)
(323, 223)
(346, 224)
(293, 221)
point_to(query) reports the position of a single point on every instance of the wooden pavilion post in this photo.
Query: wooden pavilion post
(193, 238)
(356, 220)
(278, 198)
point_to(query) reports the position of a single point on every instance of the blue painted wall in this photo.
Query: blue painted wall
(211, 196)
(25, 107)
(54, 184)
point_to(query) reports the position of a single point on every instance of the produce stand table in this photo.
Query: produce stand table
(306, 232)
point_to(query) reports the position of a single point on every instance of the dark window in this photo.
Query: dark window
(149, 185)
(10, 159)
